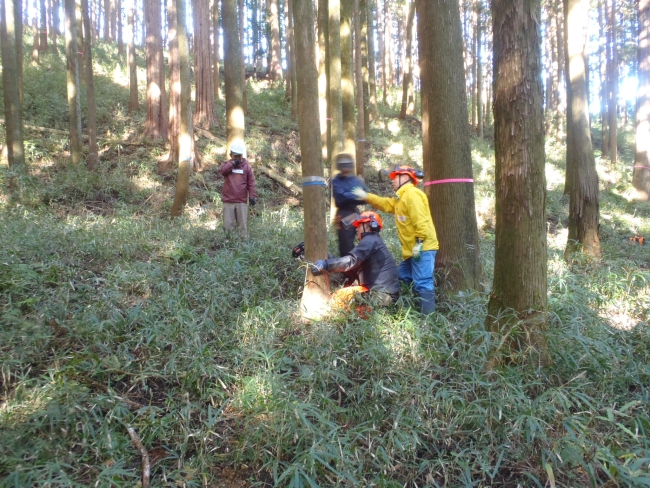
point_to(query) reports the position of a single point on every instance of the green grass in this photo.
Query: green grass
(113, 315)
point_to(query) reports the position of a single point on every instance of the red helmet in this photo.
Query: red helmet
(415, 175)
(370, 217)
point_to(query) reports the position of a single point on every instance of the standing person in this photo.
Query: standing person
(415, 231)
(346, 201)
(238, 190)
(370, 260)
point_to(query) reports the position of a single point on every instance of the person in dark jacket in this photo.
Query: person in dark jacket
(370, 260)
(346, 202)
(238, 190)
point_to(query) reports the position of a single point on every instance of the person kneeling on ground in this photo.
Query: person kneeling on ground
(415, 231)
(371, 259)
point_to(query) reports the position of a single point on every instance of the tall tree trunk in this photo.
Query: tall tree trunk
(55, 23)
(185, 142)
(174, 84)
(93, 150)
(386, 36)
(561, 63)
(276, 55)
(323, 76)
(293, 68)
(363, 37)
(157, 122)
(114, 20)
(520, 282)
(581, 176)
(479, 69)
(613, 88)
(216, 81)
(446, 143)
(372, 72)
(240, 20)
(603, 20)
(287, 50)
(407, 77)
(347, 80)
(204, 113)
(107, 20)
(35, 34)
(10, 25)
(134, 104)
(334, 80)
(641, 175)
(235, 121)
(42, 43)
(361, 108)
(256, 34)
(74, 104)
(120, 40)
(315, 296)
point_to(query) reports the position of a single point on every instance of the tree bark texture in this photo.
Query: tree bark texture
(216, 80)
(42, 43)
(335, 102)
(120, 39)
(407, 77)
(276, 55)
(347, 80)
(361, 108)
(240, 20)
(157, 123)
(520, 282)
(581, 176)
(613, 87)
(446, 143)
(204, 112)
(603, 19)
(363, 39)
(641, 174)
(10, 24)
(134, 104)
(323, 83)
(315, 296)
(185, 118)
(72, 65)
(479, 70)
(93, 150)
(235, 120)
(372, 70)
(293, 67)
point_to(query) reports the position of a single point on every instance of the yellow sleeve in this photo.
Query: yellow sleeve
(385, 204)
(420, 216)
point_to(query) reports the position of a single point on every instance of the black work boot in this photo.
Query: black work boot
(426, 301)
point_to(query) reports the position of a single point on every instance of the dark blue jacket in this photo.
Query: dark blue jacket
(342, 191)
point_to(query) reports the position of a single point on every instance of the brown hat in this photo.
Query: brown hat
(344, 161)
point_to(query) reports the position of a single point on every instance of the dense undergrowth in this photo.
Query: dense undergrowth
(112, 315)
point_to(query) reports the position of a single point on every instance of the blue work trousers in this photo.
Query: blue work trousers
(420, 272)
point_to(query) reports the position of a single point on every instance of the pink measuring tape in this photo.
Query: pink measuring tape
(641, 167)
(450, 180)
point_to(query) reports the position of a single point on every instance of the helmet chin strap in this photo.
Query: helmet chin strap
(407, 181)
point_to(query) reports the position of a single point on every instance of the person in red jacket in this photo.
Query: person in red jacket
(238, 190)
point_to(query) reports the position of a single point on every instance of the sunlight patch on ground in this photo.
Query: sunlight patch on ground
(394, 126)
(619, 320)
(395, 149)
(144, 182)
(558, 239)
(554, 177)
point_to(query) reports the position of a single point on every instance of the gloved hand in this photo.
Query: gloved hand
(318, 266)
(251, 201)
(359, 192)
(417, 249)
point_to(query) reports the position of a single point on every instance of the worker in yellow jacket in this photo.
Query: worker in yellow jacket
(415, 230)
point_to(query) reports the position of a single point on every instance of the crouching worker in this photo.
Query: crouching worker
(371, 260)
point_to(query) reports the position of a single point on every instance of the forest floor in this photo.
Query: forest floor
(116, 318)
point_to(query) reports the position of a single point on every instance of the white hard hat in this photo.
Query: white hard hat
(237, 147)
